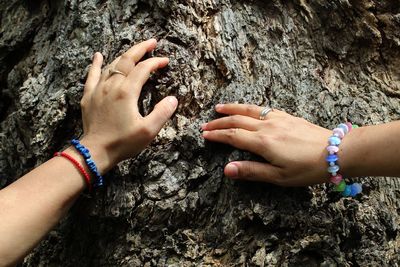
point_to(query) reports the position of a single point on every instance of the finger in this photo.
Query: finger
(239, 138)
(161, 113)
(94, 74)
(128, 60)
(106, 71)
(124, 65)
(141, 73)
(253, 171)
(234, 121)
(136, 52)
(245, 110)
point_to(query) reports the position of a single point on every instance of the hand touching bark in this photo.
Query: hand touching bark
(111, 119)
(294, 149)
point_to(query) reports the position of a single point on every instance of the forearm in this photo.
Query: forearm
(32, 206)
(371, 151)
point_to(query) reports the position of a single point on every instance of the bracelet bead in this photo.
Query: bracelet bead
(338, 132)
(334, 140)
(344, 127)
(333, 169)
(341, 186)
(332, 158)
(356, 188)
(332, 149)
(349, 126)
(347, 191)
(336, 179)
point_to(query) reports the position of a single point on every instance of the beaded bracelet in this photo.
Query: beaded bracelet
(89, 162)
(78, 166)
(333, 148)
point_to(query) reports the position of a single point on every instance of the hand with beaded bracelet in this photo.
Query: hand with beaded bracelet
(300, 153)
(113, 130)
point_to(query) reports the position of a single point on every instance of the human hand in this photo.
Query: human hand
(113, 126)
(293, 147)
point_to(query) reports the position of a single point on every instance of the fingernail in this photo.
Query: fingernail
(219, 106)
(232, 170)
(204, 126)
(205, 133)
(95, 56)
(173, 101)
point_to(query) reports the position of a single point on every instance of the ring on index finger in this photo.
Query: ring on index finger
(264, 112)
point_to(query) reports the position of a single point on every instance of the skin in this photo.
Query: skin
(294, 149)
(113, 130)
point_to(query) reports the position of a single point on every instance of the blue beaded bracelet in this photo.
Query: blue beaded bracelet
(333, 148)
(89, 162)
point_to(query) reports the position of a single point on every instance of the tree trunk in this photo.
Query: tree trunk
(325, 61)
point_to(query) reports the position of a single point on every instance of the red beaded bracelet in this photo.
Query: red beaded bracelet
(78, 166)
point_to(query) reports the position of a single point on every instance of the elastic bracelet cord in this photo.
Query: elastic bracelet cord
(78, 166)
(89, 162)
(333, 148)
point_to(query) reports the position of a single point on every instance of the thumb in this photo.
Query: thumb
(253, 171)
(162, 112)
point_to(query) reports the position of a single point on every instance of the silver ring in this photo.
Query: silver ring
(265, 112)
(114, 71)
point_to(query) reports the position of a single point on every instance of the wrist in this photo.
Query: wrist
(100, 153)
(371, 151)
(352, 153)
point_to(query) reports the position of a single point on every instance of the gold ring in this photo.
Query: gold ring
(114, 71)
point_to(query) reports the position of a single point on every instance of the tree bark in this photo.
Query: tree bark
(325, 61)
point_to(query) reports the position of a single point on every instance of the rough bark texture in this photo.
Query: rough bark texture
(326, 61)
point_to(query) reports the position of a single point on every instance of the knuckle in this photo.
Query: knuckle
(233, 120)
(125, 56)
(141, 64)
(279, 127)
(83, 103)
(247, 170)
(278, 178)
(266, 124)
(251, 109)
(231, 133)
(122, 93)
(274, 123)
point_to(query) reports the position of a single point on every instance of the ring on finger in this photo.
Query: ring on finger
(113, 71)
(264, 112)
